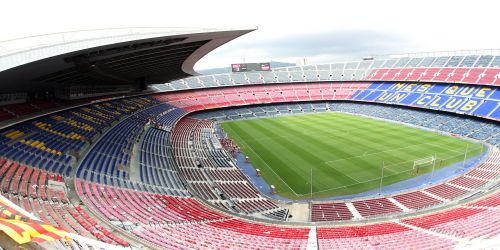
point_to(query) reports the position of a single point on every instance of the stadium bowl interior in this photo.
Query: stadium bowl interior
(113, 139)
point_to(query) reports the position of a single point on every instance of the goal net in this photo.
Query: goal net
(424, 162)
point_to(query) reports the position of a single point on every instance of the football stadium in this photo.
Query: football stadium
(111, 140)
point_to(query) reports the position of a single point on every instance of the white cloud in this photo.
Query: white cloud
(430, 25)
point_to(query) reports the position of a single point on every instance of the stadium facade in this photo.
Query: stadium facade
(95, 143)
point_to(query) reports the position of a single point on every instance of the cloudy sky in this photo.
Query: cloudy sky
(319, 31)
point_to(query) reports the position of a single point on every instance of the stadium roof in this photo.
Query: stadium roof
(107, 56)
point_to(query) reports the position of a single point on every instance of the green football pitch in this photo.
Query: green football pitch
(344, 153)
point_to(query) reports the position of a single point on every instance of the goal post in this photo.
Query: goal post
(423, 162)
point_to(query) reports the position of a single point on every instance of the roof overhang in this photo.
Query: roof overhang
(107, 57)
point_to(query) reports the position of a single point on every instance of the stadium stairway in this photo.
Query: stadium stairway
(134, 166)
(312, 240)
(434, 196)
(353, 210)
(440, 235)
(395, 202)
(117, 229)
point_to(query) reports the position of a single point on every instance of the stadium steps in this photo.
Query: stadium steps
(403, 207)
(476, 178)
(208, 178)
(117, 229)
(434, 196)
(460, 187)
(134, 168)
(312, 240)
(78, 164)
(446, 236)
(353, 210)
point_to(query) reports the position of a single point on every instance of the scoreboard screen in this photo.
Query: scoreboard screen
(245, 67)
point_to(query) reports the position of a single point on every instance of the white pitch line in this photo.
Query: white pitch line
(250, 147)
(392, 149)
(385, 167)
(293, 136)
(348, 176)
(328, 163)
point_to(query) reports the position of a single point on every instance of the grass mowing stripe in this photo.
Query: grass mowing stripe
(319, 145)
(341, 149)
(307, 157)
(245, 145)
(307, 150)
